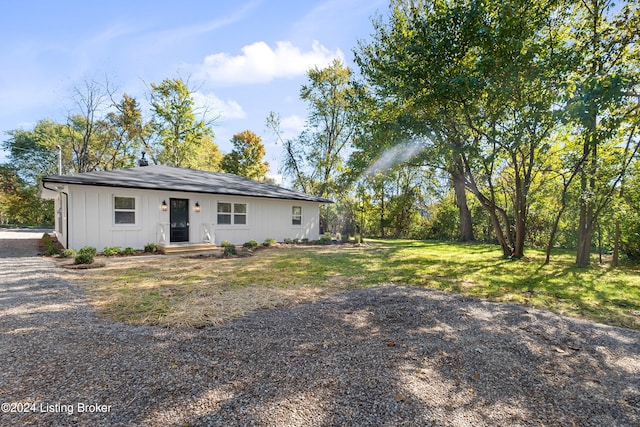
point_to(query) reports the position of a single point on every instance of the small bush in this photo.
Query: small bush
(88, 250)
(112, 251)
(228, 247)
(84, 258)
(129, 251)
(150, 248)
(296, 241)
(324, 240)
(288, 241)
(68, 253)
(269, 242)
(305, 240)
(250, 244)
(50, 248)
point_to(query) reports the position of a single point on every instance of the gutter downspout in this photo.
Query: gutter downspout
(66, 210)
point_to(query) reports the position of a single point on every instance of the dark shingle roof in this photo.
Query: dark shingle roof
(157, 177)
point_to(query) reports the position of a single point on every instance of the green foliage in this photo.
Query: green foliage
(84, 258)
(69, 253)
(250, 244)
(20, 202)
(247, 157)
(85, 255)
(269, 242)
(50, 247)
(112, 251)
(150, 248)
(315, 159)
(228, 248)
(325, 240)
(181, 139)
(87, 250)
(129, 251)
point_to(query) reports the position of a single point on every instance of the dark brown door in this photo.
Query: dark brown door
(179, 218)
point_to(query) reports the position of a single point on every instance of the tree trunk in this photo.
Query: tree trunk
(587, 215)
(616, 246)
(466, 225)
(502, 241)
(585, 237)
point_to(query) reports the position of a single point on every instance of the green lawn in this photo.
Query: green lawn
(164, 290)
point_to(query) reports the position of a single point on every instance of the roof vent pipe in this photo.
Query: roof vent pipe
(143, 161)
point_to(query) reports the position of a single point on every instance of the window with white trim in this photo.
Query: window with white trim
(124, 210)
(296, 215)
(232, 213)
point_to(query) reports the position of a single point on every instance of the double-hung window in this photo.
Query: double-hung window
(232, 213)
(124, 210)
(296, 215)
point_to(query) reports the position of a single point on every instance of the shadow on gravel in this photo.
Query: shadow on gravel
(381, 356)
(19, 243)
(413, 357)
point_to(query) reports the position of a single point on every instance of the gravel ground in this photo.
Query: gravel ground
(386, 356)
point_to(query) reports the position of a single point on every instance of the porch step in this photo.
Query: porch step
(186, 248)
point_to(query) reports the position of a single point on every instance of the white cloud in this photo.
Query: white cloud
(209, 102)
(292, 124)
(259, 63)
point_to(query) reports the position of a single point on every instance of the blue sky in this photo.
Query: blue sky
(246, 58)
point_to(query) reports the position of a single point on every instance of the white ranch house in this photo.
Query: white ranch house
(172, 206)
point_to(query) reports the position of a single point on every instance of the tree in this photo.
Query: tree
(315, 158)
(86, 128)
(126, 131)
(247, 157)
(603, 104)
(180, 137)
(33, 153)
(476, 81)
(20, 202)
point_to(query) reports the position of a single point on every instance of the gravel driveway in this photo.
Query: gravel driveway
(385, 356)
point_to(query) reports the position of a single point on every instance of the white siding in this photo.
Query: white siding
(91, 218)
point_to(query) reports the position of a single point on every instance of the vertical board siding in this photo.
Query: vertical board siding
(91, 218)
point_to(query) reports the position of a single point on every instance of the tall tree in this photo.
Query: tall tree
(315, 158)
(33, 153)
(126, 131)
(86, 127)
(477, 81)
(179, 135)
(247, 157)
(603, 103)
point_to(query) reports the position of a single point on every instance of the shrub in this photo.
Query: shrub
(250, 244)
(150, 247)
(305, 240)
(84, 258)
(288, 241)
(129, 251)
(50, 248)
(229, 248)
(269, 242)
(112, 250)
(68, 253)
(88, 250)
(296, 241)
(324, 240)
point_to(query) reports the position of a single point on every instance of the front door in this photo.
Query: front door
(179, 218)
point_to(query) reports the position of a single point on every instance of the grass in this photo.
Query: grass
(198, 292)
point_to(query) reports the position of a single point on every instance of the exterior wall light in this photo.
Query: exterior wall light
(197, 207)
(164, 206)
